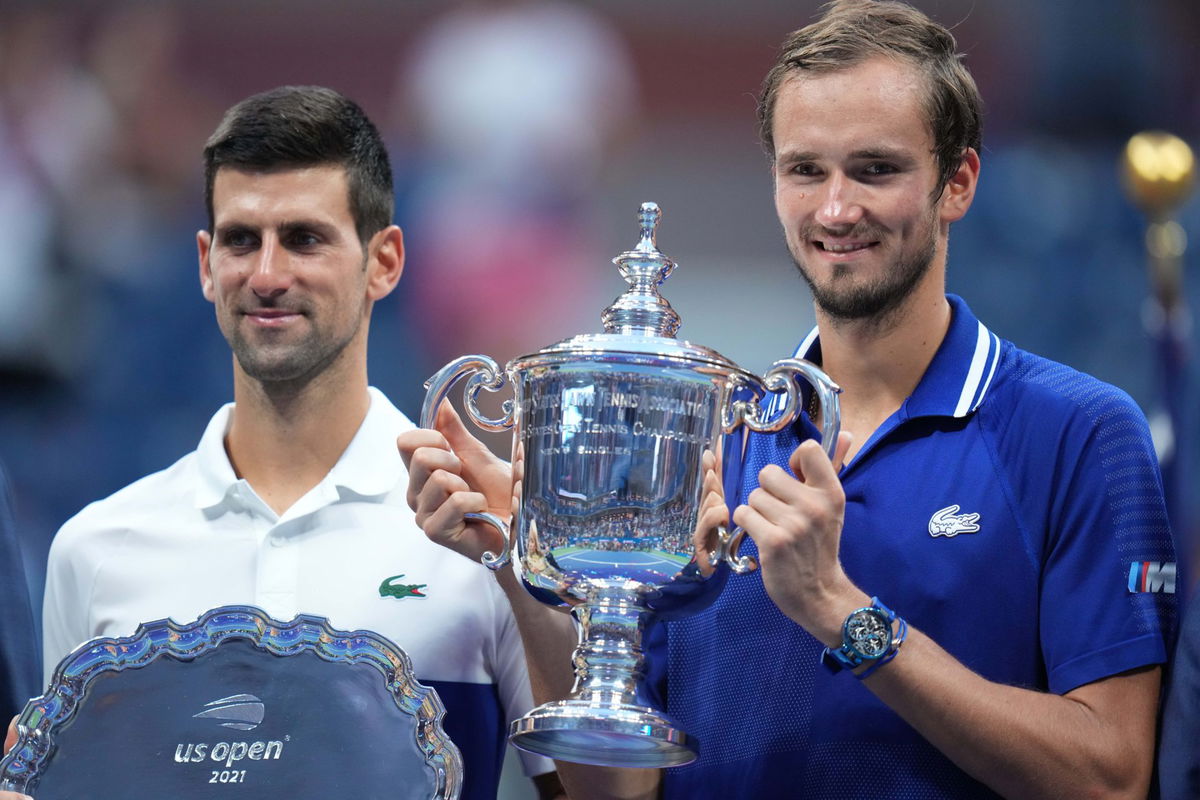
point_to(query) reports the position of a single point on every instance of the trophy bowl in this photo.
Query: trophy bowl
(610, 435)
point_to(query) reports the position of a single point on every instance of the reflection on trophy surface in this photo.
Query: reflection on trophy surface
(614, 435)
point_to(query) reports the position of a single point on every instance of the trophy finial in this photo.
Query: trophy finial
(642, 310)
(649, 214)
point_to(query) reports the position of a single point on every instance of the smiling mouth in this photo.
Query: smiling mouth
(271, 316)
(848, 247)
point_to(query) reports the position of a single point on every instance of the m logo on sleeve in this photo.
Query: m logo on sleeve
(1152, 576)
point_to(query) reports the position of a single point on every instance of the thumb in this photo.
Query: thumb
(449, 424)
(844, 443)
(10, 736)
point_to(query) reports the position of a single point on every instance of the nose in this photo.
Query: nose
(271, 274)
(840, 205)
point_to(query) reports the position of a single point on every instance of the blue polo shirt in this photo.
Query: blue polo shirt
(1011, 509)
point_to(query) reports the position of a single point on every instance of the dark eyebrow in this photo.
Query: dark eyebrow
(285, 229)
(794, 156)
(322, 229)
(224, 229)
(868, 154)
(881, 154)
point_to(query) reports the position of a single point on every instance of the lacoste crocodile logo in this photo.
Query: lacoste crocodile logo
(948, 522)
(400, 590)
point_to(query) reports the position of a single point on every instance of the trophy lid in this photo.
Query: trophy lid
(640, 321)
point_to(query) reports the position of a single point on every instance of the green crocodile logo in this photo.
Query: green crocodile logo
(400, 590)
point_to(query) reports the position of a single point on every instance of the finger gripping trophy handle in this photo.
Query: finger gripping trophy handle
(781, 381)
(485, 374)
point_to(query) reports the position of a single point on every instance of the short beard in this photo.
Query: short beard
(298, 364)
(305, 362)
(875, 302)
(295, 364)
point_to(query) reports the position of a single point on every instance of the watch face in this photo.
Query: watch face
(868, 633)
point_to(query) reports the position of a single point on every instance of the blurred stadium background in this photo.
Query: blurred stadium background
(524, 136)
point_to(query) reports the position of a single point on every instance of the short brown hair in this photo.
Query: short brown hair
(306, 126)
(849, 32)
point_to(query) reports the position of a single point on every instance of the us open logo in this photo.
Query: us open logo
(242, 712)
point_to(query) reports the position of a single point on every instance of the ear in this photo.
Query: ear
(960, 189)
(385, 263)
(203, 247)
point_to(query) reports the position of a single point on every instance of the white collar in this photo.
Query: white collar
(369, 467)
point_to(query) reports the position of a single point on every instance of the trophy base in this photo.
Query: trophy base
(607, 736)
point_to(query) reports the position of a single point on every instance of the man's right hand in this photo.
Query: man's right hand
(10, 739)
(451, 473)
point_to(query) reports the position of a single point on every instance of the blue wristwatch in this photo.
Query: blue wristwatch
(866, 636)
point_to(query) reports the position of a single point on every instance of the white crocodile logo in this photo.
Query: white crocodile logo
(948, 522)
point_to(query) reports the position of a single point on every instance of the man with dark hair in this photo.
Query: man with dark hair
(294, 499)
(976, 597)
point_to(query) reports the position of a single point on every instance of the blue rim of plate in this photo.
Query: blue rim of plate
(165, 638)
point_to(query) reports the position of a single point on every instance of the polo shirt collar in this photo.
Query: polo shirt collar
(214, 473)
(370, 466)
(957, 380)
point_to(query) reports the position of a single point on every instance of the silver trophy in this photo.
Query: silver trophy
(610, 435)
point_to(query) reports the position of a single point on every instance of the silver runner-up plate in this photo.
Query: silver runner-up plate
(235, 705)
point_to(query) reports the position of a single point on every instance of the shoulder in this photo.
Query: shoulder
(155, 495)
(1033, 394)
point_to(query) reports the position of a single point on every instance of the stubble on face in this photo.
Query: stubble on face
(270, 358)
(845, 300)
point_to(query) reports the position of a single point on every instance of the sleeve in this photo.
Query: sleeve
(18, 640)
(65, 603)
(1108, 600)
(512, 676)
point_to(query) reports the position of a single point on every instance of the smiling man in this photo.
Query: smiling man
(294, 499)
(961, 608)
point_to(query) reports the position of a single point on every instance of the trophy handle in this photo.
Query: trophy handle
(490, 559)
(728, 542)
(487, 375)
(781, 378)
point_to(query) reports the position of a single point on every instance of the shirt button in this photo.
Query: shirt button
(278, 541)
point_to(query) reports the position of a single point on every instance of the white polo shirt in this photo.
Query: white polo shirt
(193, 537)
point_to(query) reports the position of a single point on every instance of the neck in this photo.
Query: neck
(878, 363)
(284, 438)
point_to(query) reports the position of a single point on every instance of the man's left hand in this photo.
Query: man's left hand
(796, 522)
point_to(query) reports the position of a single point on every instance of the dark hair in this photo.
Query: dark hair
(851, 31)
(303, 126)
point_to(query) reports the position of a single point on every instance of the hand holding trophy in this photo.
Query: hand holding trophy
(616, 441)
